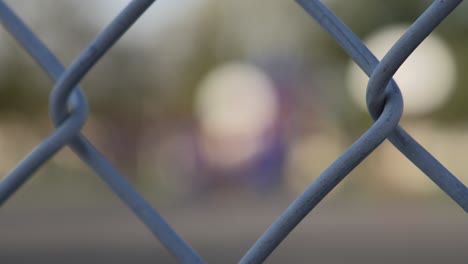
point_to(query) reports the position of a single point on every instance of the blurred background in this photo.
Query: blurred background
(221, 113)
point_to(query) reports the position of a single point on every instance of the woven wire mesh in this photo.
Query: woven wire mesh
(68, 110)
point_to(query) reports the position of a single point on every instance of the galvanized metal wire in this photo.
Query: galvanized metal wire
(68, 110)
(70, 123)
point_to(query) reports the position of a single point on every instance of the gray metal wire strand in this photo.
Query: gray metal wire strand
(91, 54)
(402, 49)
(359, 52)
(69, 128)
(452, 186)
(158, 226)
(327, 180)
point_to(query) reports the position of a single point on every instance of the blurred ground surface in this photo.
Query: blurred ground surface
(222, 229)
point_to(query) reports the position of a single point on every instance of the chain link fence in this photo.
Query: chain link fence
(68, 110)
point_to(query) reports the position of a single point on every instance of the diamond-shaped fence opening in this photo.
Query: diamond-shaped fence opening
(68, 110)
